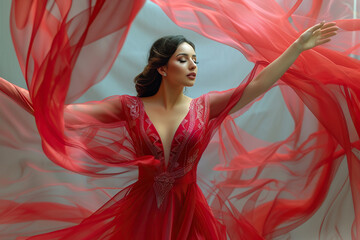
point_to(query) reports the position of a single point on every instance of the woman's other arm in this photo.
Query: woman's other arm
(105, 111)
(18, 94)
(108, 110)
(314, 36)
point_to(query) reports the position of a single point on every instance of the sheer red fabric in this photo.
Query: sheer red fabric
(265, 188)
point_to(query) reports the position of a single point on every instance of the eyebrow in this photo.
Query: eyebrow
(185, 54)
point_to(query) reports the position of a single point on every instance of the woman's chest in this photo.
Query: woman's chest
(166, 123)
(168, 136)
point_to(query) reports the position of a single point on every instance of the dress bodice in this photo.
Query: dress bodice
(186, 146)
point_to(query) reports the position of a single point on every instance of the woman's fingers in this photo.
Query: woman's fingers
(329, 26)
(318, 34)
(316, 27)
(324, 38)
(328, 30)
(325, 32)
(319, 42)
(328, 35)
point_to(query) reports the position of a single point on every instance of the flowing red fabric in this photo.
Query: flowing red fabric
(265, 189)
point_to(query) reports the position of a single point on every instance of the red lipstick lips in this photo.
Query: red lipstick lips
(192, 76)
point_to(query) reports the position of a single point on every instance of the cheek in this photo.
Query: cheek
(178, 69)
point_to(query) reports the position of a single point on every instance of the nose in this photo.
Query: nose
(192, 64)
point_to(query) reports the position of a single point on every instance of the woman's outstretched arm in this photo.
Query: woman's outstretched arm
(314, 36)
(105, 111)
(109, 110)
(18, 94)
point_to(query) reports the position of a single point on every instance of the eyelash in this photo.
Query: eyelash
(183, 61)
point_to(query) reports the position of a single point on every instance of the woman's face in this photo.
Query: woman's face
(181, 68)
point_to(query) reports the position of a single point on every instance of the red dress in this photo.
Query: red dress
(165, 202)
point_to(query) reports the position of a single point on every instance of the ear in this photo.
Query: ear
(162, 71)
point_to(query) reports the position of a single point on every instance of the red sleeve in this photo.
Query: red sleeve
(220, 103)
(68, 49)
(106, 111)
(18, 94)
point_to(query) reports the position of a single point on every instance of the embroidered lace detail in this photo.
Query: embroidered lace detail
(191, 160)
(134, 108)
(180, 138)
(163, 183)
(185, 134)
(199, 108)
(154, 140)
(148, 122)
(199, 114)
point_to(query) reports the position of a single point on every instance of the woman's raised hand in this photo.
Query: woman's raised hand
(318, 34)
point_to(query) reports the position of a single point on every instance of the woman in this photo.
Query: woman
(169, 133)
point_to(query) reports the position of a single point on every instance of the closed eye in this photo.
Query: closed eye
(183, 61)
(187, 56)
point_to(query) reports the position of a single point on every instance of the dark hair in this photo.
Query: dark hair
(148, 82)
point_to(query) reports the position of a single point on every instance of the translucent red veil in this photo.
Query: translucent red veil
(64, 47)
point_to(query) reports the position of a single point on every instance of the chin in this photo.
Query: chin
(190, 84)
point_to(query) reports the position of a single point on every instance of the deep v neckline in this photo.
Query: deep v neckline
(157, 133)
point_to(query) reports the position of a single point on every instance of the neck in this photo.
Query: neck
(169, 96)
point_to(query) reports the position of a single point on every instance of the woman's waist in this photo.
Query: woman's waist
(179, 176)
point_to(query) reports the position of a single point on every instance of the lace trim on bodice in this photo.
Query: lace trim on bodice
(178, 142)
(194, 120)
